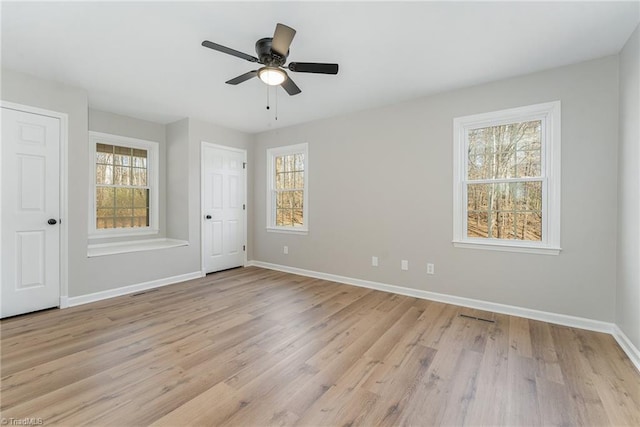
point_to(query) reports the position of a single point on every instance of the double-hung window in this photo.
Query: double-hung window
(287, 189)
(124, 177)
(507, 179)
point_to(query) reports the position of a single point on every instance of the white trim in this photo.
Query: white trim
(498, 245)
(64, 187)
(272, 153)
(288, 230)
(125, 290)
(550, 114)
(245, 169)
(627, 346)
(101, 249)
(153, 177)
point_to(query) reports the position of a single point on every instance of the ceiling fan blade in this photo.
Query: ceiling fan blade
(290, 86)
(282, 38)
(243, 78)
(229, 51)
(313, 67)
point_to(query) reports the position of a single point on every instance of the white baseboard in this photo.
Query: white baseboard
(98, 296)
(555, 318)
(64, 302)
(628, 347)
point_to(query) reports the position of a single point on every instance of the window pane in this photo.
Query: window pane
(141, 217)
(104, 158)
(529, 226)
(505, 151)
(139, 177)
(124, 212)
(140, 212)
(105, 212)
(123, 222)
(104, 174)
(124, 197)
(298, 199)
(477, 225)
(478, 196)
(286, 180)
(288, 190)
(121, 175)
(284, 217)
(141, 221)
(102, 223)
(503, 227)
(140, 197)
(125, 151)
(121, 207)
(529, 196)
(104, 148)
(105, 197)
(505, 210)
(284, 199)
(528, 164)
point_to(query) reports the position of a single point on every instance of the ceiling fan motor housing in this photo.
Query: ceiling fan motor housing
(267, 56)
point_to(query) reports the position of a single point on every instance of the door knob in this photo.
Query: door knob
(52, 221)
(208, 217)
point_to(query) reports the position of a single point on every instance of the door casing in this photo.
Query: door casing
(63, 183)
(202, 195)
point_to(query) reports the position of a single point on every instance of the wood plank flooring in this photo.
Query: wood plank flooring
(254, 347)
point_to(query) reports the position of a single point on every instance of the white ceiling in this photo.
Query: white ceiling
(145, 59)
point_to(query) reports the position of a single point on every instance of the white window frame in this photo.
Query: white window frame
(272, 153)
(152, 148)
(549, 114)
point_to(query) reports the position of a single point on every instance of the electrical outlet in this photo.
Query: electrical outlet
(404, 264)
(430, 269)
(374, 261)
(285, 250)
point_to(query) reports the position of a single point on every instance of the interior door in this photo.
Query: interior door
(223, 207)
(30, 231)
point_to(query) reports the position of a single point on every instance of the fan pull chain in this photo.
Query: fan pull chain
(267, 97)
(276, 103)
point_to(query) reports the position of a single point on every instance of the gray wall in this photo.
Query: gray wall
(184, 142)
(202, 131)
(115, 124)
(179, 184)
(114, 271)
(28, 90)
(628, 280)
(380, 183)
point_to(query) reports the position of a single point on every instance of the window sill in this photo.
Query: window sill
(103, 249)
(495, 246)
(302, 231)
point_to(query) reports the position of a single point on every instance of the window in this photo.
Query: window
(124, 176)
(507, 180)
(287, 198)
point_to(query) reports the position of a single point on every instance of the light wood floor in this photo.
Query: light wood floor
(253, 347)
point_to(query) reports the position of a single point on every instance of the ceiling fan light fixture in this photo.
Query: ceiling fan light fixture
(272, 76)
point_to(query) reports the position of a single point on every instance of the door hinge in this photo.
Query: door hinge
(244, 248)
(244, 165)
(244, 207)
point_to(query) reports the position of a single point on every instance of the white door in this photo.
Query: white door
(30, 230)
(223, 206)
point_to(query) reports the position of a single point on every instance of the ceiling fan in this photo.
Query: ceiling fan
(272, 53)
